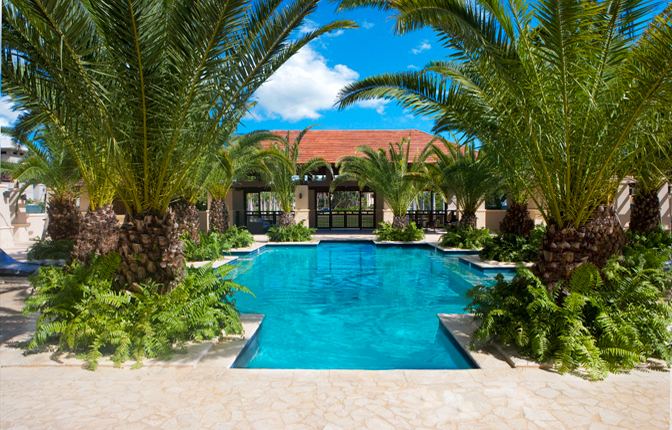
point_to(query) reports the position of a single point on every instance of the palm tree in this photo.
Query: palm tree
(653, 171)
(239, 157)
(390, 174)
(156, 83)
(49, 163)
(462, 172)
(558, 83)
(285, 173)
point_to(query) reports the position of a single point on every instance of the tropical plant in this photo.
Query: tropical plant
(462, 172)
(652, 172)
(50, 163)
(291, 233)
(84, 313)
(212, 245)
(239, 157)
(238, 237)
(286, 170)
(465, 237)
(605, 324)
(391, 174)
(563, 85)
(513, 248)
(659, 240)
(159, 83)
(387, 233)
(50, 250)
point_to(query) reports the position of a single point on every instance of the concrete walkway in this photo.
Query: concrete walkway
(210, 396)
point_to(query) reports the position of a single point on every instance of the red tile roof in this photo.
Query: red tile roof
(334, 144)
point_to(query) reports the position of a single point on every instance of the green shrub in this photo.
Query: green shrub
(238, 237)
(211, 247)
(386, 232)
(465, 237)
(293, 233)
(514, 248)
(602, 323)
(81, 309)
(51, 250)
(660, 240)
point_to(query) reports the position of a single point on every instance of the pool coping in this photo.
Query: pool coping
(461, 328)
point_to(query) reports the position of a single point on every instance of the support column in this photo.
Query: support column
(302, 205)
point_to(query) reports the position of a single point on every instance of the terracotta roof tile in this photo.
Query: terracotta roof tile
(334, 144)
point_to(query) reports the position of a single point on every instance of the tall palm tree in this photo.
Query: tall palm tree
(50, 163)
(560, 84)
(239, 157)
(157, 84)
(462, 172)
(391, 174)
(285, 172)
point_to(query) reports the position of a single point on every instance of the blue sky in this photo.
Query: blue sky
(304, 90)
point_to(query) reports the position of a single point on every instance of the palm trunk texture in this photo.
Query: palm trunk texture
(64, 219)
(186, 216)
(468, 219)
(517, 220)
(219, 216)
(286, 219)
(98, 234)
(645, 212)
(565, 249)
(400, 222)
(151, 248)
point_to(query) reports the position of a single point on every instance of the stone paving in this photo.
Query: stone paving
(216, 398)
(211, 396)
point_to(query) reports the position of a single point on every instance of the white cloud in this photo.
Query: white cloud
(304, 87)
(411, 66)
(377, 104)
(7, 115)
(367, 25)
(423, 46)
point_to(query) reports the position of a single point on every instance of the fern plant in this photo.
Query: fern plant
(600, 322)
(85, 313)
(238, 237)
(465, 237)
(50, 250)
(292, 233)
(386, 232)
(513, 248)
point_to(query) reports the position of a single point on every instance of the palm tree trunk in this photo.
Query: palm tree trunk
(186, 216)
(98, 234)
(151, 248)
(219, 216)
(565, 249)
(400, 222)
(517, 220)
(64, 219)
(468, 219)
(286, 219)
(645, 213)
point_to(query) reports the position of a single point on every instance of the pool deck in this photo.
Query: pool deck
(206, 394)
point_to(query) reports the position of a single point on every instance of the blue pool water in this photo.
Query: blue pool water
(353, 306)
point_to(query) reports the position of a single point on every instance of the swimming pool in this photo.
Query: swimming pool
(353, 306)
